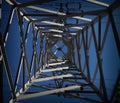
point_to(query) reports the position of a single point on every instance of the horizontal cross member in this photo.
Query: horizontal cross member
(54, 64)
(52, 78)
(54, 69)
(27, 96)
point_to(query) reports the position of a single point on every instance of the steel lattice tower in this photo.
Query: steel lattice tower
(61, 66)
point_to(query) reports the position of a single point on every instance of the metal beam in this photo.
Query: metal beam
(54, 64)
(45, 10)
(8, 25)
(78, 51)
(1, 78)
(96, 12)
(7, 68)
(52, 78)
(46, 27)
(60, 90)
(54, 69)
(99, 33)
(86, 57)
(18, 72)
(20, 22)
(98, 54)
(60, 79)
(98, 3)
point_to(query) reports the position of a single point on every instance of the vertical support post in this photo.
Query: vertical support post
(42, 51)
(1, 78)
(8, 25)
(23, 74)
(46, 51)
(41, 47)
(7, 69)
(1, 64)
(34, 49)
(37, 59)
(87, 38)
(99, 33)
(18, 71)
(78, 51)
(72, 51)
(35, 66)
(20, 22)
(100, 65)
(86, 57)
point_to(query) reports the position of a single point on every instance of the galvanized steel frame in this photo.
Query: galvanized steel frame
(41, 61)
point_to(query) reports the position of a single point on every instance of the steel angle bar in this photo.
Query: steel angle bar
(116, 87)
(1, 79)
(95, 73)
(105, 12)
(99, 33)
(32, 61)
(52, 78)
(11, 2)
(68, 15)
(34, 48)
(79, 42)
(45, 10)
(54, 69)
(105, 34)
(18, 72)
(21, 59)
(100, 65)
(35, 67)
(90, 40)
(20, 22)
(84, 67)
(55, 80)
(102, 46)
(73, 50)
(34, 56)
(37, 61)
(57, 63)
(99, 94)
(46, 27)
(7, 68)
(27, 31)
(48, 92)
(43, 15)
(74, 82)
(86, 57)
(98, 3)
(42, 86)
(78, 53)
(8, 25)
(23, 74)
(87, 41)
(26, 86)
